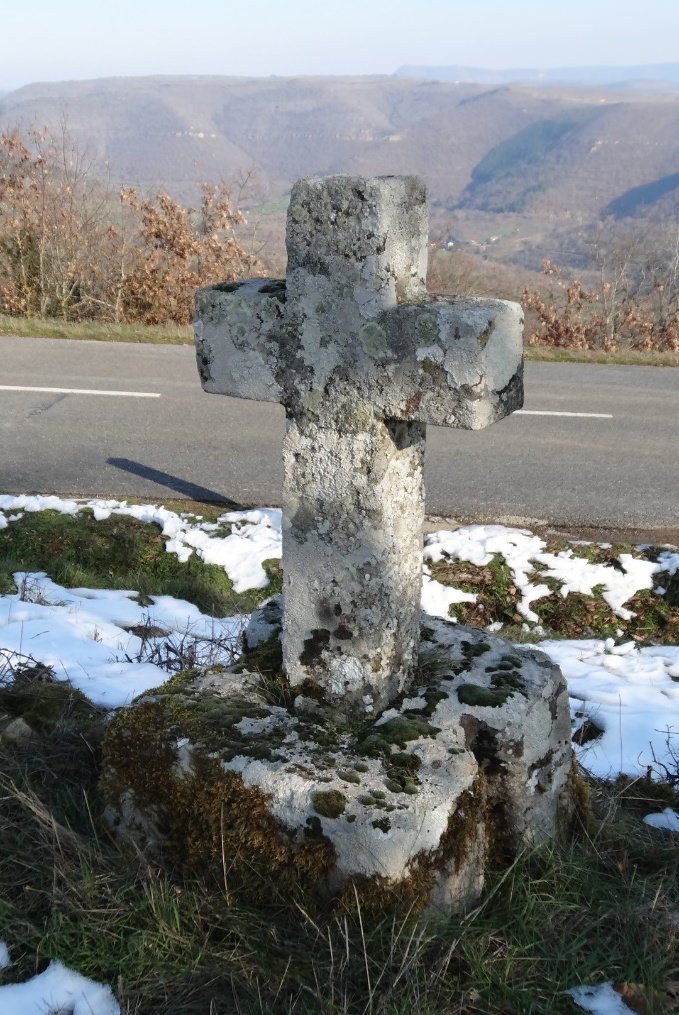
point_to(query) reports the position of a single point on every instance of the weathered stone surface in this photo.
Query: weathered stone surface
(362, 358)
(17, 731)
(470, 761)
(352, 556)
(512, 706)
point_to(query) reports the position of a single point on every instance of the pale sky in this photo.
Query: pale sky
(57, 40)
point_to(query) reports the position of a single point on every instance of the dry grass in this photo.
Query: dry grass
(622, 357)
(97, 331)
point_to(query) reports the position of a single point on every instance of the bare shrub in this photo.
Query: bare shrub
(19, 667)
(611, 316)
(56, 236)
(73, 248)
(184, 650)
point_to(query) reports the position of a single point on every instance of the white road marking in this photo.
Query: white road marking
(82, 391)
(582, 415)
(156, 394)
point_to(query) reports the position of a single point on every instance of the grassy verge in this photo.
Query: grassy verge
(96, 331)
(178, 334)
(623, 357)
(598, 905)
(655, 616)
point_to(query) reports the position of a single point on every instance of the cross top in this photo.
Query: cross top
(362, 357)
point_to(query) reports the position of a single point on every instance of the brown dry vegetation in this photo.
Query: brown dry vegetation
(72, 247)
(633, 305)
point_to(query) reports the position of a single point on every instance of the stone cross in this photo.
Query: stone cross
(362, 358)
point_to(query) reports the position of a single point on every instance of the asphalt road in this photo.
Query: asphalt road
(615, 471)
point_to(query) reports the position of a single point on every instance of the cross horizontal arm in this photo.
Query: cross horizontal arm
(453, 362)
(239, 330)
(438, 360)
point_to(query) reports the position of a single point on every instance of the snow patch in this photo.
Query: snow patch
(58, 989)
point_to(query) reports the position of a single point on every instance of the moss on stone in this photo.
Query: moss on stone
(310, 689)
(486, 333)
(205, 812)
(404, 763)
(506, 675)
(276, 288)
(502, 666)
(513, 660)
(462, 830)
(472, 694)
(411, 893)
(401, 773)
(329, 803)
(266, 657)
(228, 287)
(177, 683)
(397, 731)
(474, 649)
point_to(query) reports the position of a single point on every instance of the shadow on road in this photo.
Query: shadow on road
(181, 486)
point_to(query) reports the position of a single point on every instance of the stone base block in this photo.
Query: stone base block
(471, 762)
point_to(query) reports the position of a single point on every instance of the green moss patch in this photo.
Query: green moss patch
(397, 732)
(266, 660)
(329, 803)
(374, 896)
(496, 595)
(402, 771)
(472, 694)
(205, 813)
(120, 552)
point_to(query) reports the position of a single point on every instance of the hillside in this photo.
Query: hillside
(520, 163)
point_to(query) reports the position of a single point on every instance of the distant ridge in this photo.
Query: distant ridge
(518, 171)
(597, 77)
